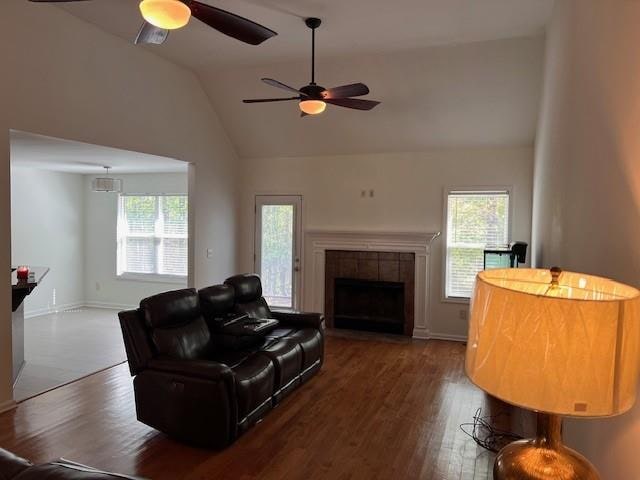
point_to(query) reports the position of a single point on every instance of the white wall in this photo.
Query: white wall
(102, 287)
(408, 197)
(47, 229)
(74, 81)
(587, 177)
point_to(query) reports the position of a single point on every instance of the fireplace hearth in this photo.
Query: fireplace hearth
(368, 290)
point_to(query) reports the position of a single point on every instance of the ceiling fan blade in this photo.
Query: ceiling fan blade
(344, 91)
(265, 100)
(277, 84)
(354, 103)
(150, 34)
(229, 23)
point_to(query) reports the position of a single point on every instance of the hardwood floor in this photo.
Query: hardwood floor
(378, 410)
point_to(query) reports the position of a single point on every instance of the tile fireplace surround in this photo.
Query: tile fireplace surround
(318, 242)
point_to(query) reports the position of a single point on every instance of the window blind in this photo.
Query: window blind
(475, 220)
(153, 234)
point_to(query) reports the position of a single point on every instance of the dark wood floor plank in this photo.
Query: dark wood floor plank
(380, 409)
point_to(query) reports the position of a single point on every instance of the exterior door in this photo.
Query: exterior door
(278, 248)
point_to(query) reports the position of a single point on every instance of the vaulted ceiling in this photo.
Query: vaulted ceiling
(449, 73)
(350, 26)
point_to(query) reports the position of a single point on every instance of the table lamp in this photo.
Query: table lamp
(560, 344)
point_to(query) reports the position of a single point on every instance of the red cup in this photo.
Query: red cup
(22, 272)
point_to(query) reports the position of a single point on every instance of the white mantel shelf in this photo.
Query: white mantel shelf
(317, 242)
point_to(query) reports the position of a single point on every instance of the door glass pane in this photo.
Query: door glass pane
(277, 254)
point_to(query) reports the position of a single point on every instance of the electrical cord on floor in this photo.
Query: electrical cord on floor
(485, 434)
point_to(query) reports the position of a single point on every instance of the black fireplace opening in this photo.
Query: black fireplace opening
(369, 305)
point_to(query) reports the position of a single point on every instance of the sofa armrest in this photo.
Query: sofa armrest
(203, 369)
(192, 401)
(300, 319)
(11, 465)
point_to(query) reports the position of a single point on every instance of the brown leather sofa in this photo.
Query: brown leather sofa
(202, 385)
(13, 467)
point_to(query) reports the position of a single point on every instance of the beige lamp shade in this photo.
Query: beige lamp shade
(569, 348)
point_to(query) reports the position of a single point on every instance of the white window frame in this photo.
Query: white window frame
(470, 189)
(150, 277)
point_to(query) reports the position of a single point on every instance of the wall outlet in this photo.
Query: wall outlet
(97, 286)
(462, 314)
(209, 252)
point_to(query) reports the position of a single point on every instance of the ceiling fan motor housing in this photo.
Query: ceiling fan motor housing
(314, 91)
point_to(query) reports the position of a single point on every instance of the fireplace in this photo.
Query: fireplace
(369, 305)
(372, 291)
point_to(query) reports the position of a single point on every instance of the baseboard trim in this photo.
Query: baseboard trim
(56, 309)
(72, 306)
(8, 405)
(447, 337)
(110, 306)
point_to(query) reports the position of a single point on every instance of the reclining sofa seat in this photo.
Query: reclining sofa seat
(302, 329)
(13, 467)
(202, 386)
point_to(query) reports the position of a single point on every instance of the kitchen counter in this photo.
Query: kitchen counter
(22, 288)
(19, 290)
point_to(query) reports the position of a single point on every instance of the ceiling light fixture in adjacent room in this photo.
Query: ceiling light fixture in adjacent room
(167, 14)
(106, 184)
(312, 107)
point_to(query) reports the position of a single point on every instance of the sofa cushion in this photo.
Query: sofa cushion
(247, 287)
(189, 341)
(216, 301)
(280, 332)
(310, 340)
(11, 465)
(286, 356)
(255, 378)
(167, 309)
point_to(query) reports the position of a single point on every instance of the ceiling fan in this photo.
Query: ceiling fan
(162, 16)
(313, 98)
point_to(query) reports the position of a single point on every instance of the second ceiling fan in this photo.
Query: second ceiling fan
(162, 16)
(313, 98)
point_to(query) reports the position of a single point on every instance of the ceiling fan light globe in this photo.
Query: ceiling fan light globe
(312, 107)
(166, 14)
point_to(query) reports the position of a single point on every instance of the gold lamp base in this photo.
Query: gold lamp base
(543, 458)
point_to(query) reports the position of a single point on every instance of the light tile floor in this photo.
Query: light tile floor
(66, 346)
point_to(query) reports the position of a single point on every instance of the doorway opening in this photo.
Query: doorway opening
(96, 241)
(278, 245)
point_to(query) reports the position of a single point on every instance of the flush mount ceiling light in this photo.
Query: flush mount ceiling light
(166, 14)
(106, 184)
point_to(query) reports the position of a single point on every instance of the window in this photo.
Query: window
(153, 236)
(475, 220)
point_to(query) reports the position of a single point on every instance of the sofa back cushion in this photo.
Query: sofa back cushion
(217, 301)
(190, 341)
(171, 308)
(176, 325)
(247, 287)
(248, 294)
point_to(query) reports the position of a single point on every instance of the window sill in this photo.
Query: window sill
(153, 278)
(458, 300)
